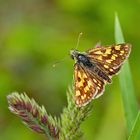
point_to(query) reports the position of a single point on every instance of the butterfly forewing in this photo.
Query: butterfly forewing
(87, 86)
(110, 58)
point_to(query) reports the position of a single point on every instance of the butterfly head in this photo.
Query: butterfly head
(74, 54)
(80, 57)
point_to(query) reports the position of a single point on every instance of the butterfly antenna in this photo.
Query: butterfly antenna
(58, 62)
(62, 60)
(54, 65)
(79, 36)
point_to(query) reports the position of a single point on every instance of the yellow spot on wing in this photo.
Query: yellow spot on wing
(77, 93)
(80, 84)
(100, 58)
(98, 52)
(105, 55)
(88, 97)
(122, 52)
(109, 61)
(99, 84)
(83, 96)
(111, 70)
(85, 76)
(106, 66)
(117, 47)
(113, 57)
(86, 89)
(95, 80)
(108, 51)
(90, 83)
(79, 75)
(77, 102)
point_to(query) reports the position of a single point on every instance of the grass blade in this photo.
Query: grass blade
(135, 128)
(126, 85)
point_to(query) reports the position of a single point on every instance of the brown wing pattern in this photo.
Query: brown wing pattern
(86, 86)
(110, 58)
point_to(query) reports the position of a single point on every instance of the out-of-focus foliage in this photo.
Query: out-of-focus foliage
(36, 34)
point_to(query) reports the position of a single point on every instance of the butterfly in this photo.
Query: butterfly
(94, 68)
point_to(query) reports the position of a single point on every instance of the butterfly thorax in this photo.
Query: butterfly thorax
(80, 58)
(83, 60)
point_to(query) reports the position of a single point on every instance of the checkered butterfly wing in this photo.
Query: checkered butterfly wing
(87, 85)
(110, 58)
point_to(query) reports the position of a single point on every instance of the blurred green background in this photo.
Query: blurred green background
(36, 34)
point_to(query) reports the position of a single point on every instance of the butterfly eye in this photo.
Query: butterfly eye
(72, 57)
(73, 54)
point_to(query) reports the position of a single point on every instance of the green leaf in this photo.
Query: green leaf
(126, 84)
(135, 129)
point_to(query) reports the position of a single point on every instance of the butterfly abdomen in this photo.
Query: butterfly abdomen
(100, 74)
(104, 76)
